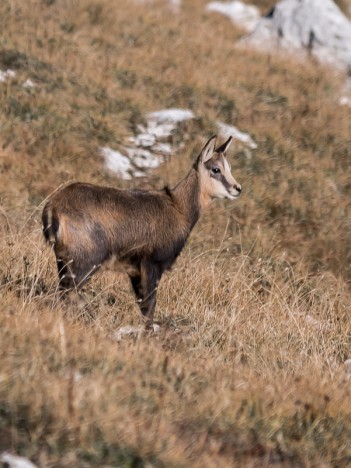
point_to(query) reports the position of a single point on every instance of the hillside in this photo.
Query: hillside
(248, 368)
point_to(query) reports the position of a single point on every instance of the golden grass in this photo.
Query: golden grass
(247, 366)
(247, 369)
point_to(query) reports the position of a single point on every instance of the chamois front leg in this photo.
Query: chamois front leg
(150, 277)
(136, 285)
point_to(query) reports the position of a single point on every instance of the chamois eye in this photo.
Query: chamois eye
(215, 170)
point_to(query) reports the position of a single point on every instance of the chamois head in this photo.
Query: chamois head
(216, 179)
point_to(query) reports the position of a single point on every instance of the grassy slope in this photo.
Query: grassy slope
(238, 372)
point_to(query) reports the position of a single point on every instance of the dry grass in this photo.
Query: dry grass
(247, 366)
(247, 369)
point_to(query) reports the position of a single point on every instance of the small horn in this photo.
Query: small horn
(223, 148)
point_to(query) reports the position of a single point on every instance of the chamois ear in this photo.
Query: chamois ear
(223, 148)
(208, 149)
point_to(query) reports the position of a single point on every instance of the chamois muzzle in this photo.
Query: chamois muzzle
(235, 191)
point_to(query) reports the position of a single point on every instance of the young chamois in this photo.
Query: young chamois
(144, 230)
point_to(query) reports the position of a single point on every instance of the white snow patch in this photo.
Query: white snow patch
(143, 139)
(139, 174)
(163, 148)
(129, 330)
(170, 115)
(238, 12)
(77, 376)
(5, 75)
(29, 84)
(14, 461)
(132, 165)
(345, 101)
(226, 131)
(117, 163)
(146, 149)
(316, 27)
(8, 74)
(143, 159)
(162, 123)
(161, 130)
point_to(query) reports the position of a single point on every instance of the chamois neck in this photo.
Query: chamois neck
(187, 196)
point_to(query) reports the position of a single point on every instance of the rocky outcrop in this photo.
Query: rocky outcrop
(314, 27)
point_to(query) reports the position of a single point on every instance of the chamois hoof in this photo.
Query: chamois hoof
(130, 331)
(152, 327)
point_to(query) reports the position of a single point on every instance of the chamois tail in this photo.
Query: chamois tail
(50, 224)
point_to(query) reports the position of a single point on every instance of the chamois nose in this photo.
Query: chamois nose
(237, 187)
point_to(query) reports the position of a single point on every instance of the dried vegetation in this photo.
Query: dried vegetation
(247, 369)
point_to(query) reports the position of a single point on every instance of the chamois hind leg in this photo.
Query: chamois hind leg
(72, 277)
(136, 285)
(135, 279)
(67, 284)
(71, 280)
(66, 275)
(150, 277)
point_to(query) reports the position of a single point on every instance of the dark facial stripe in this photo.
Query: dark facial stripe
(220, 177)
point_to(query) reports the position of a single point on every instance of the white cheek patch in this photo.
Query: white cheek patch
(218, 189)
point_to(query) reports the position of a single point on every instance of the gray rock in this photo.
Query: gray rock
(316, 27)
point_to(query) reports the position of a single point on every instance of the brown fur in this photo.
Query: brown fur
(144, 231)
